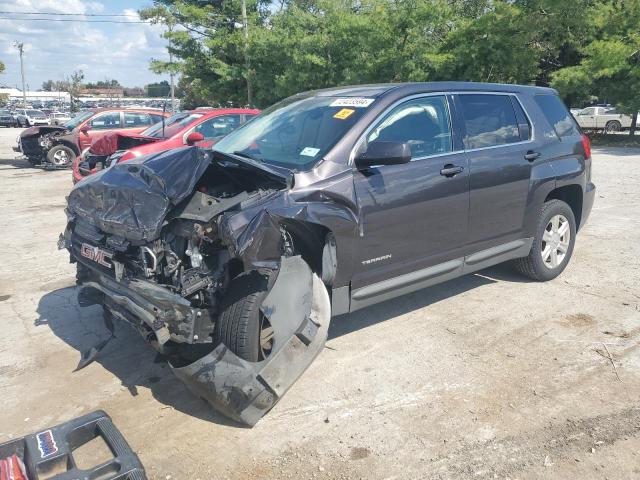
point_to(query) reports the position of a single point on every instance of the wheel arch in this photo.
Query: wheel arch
(67, 143)
(572, 195)
(309, 241)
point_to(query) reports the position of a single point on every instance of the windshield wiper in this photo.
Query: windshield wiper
(246, 155)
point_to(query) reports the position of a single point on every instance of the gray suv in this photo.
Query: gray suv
(231, 262)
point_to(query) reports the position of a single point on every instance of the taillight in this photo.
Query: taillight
(586, 144)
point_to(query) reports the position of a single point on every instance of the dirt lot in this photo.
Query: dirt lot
(488, 376)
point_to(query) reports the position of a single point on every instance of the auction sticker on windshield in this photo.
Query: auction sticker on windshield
(344, 113)
(352, 102)
(309, 151)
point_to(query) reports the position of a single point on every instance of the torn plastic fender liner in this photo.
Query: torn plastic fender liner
(299, 311)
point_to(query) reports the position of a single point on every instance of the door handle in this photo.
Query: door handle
(450, 170)
(531, 155)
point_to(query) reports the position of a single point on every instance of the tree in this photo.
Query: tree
(158, 89)
(610, 66)
(48, 86)
(1, 67)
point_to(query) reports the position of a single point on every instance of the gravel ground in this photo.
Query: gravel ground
(487, 376)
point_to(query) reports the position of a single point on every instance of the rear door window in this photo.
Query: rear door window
(136, 119)
(558, 116)
(489, 120)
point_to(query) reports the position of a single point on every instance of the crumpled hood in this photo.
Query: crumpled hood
(114, 141)
(132, 199)
(41, 130)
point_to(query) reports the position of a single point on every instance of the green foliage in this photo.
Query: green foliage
(158, 89)
(1, 67)
(610, 63)
(579, 46)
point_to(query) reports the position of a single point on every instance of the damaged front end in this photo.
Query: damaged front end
(159, 242)
(36, 143)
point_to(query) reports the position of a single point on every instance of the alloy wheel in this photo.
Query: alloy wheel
(61, 158)
(555, 241)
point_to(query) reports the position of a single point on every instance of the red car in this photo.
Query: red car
(198, 127)
(59, 146)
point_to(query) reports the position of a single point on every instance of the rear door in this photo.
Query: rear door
(414, 215)
(497, 141)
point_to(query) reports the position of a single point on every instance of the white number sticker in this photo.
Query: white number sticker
(352, 102)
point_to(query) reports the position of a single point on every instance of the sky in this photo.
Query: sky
(53, 50)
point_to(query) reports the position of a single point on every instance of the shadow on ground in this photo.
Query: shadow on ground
(127, 356)
(390, 309)
(136, 364)
(17, 163)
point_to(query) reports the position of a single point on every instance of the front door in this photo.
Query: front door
(496, 136)
(99, 125)
(587, 117)
(413, 215)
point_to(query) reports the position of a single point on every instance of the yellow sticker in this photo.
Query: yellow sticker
(344, 113)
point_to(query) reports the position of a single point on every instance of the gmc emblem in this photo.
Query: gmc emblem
(96, 254)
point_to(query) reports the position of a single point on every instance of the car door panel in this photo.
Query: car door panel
(411, 215)
(499, 172)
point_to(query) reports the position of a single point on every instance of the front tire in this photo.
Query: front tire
(552, 244)
(61, 156)
(241, 326)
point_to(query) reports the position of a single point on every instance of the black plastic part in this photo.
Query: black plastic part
(53, 448)
(298, 308)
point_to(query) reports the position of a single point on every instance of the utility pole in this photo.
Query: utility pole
(171, 75)
(245, 24)
(20, 47)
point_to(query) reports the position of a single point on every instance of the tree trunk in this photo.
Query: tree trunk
(634, 119)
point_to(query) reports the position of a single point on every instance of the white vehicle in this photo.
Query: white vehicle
(29, 118)
(603, 118)
(58, 118)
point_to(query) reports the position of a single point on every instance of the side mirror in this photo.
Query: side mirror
(384, 153)
(85, 128)
(193, 138)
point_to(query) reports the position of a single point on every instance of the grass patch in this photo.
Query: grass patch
(615, 140)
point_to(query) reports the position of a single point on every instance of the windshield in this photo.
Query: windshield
(35, 113)
(77, 120)
(172, 125)
(296, 132)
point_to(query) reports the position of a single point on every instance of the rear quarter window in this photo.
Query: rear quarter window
(557, 115)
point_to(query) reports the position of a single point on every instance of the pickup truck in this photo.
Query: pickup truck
(603, 118)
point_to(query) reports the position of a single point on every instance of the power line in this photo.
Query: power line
(131, 22)
(2, 12)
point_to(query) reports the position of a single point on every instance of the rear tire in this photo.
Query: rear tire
(241, 326)
(613, 126)
(552, 244)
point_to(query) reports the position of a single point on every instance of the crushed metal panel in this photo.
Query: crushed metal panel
(299, 311)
